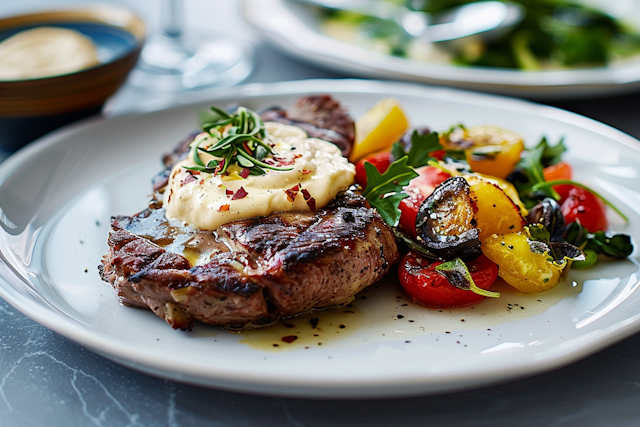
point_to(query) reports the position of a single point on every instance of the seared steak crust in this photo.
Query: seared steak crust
(320, 116)
(255, 271)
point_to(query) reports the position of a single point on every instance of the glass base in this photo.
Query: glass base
(176, 64)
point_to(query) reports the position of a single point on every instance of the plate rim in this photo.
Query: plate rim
(118, 350)
(330, 53)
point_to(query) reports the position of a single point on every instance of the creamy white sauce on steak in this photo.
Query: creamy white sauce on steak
(319, 172)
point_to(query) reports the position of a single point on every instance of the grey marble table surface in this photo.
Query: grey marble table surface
(47, 380)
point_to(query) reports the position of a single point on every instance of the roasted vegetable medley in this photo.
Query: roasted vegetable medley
(472, 204)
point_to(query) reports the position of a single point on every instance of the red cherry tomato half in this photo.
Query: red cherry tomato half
(419, 189)
(420, 280)
(438, 154)
(561, 170)
(578, 204)
(380, 160)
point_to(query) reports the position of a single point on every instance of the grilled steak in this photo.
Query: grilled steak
(320, 116)
(249, 273)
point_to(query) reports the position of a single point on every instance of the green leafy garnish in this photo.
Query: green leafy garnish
(531, 184)
(421, 148)
(538, 232)
(616, 246)
(413, 245)
(457, 273)
(233, 139)
(384, 191)
(531, 167)
(551, 154)
(559, 253)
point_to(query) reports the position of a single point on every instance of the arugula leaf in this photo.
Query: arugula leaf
(616, 246)
(384, 191)
(421, 147)
(531, 164)
(397, 150)
(552, 154)
(457, 273)
(530, 175)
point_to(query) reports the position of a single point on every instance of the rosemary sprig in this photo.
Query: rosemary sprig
(243, 144)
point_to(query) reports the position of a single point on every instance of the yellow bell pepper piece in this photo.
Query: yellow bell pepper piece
(524, 270)
(379, 128)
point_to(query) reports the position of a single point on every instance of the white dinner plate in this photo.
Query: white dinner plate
(295, 29)
(57, 195)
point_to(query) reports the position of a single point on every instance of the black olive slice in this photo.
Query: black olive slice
(445, 224)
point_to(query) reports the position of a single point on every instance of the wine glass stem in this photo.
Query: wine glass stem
(172, 14)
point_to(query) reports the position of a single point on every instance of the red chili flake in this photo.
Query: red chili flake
(283, 161)
(170, 194)
(245, 144)
(240, 194)
(223, 208)
(194, 172)
(289, 338)
(306, 194)
(297, 156)
(189, 178)
(228, 192)
(270, 162)
(312, 204)
(201, 182)
(292, 193)
(219, 168)
(306, 171)
(244, 173)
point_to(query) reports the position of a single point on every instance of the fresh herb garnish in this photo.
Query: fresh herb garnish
(559, 253)
(551, 154)
(422, 145)
(457, 273)
(238, 139)
(384, 191)
(529, 176)
(615, 246)
(413, 244)
(530, 168)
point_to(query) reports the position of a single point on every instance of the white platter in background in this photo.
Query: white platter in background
(295, 29)
(57, 195)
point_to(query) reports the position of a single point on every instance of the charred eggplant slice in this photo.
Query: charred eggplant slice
(445, 224)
